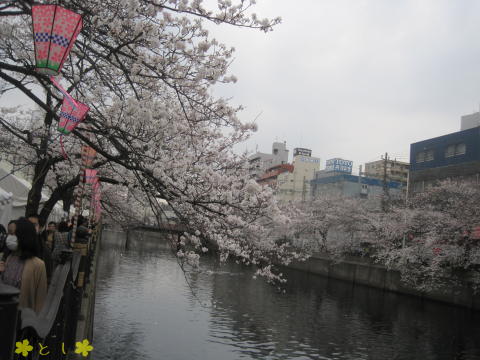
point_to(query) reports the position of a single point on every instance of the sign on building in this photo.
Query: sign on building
(302, 151)
(310, 160)
(339, 165)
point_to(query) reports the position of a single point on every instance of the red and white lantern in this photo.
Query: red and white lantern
(90, 176)
(95, 203)
(88, 156)
(70, 116)
(55, 30)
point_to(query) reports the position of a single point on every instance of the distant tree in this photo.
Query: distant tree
(432, 238)
(335, 224)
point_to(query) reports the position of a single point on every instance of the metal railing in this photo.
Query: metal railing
(52, 333)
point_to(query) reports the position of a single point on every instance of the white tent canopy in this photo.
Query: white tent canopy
(19, 188)
(6, 200)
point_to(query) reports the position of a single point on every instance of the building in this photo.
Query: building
(396, 170)
(260, 162)
(351, 186)
(469, 121)
(336, 166)
(295, 185)
(302, 151)
(270, 176)
(455, 155)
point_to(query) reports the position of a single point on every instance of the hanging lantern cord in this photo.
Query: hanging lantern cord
(64, 92)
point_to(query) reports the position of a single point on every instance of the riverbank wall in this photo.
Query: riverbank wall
(365, 272)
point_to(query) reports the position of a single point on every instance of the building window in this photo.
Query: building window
(460, 149)
(455, 150)
(450, 151)
(420, 157)
(429, 155)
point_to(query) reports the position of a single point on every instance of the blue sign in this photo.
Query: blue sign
(309, 160)
(339, 165)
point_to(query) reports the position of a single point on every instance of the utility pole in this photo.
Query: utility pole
(404, 240)
(304, 190)
(386, 195)
(360, 180)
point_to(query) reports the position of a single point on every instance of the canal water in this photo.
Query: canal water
(147, 308)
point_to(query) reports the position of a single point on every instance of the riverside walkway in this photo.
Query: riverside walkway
(64, 327)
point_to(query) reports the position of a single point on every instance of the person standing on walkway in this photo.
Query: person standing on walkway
(83, 233)
(24, 269)
(45, 253)
(62, 241)
(50, 240)
(10, 240)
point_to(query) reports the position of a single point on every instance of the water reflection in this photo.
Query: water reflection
(146, 309)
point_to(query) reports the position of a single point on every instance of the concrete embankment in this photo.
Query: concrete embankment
(364, 272)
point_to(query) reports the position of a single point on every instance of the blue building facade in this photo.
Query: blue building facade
(448, 156)
(351, 186)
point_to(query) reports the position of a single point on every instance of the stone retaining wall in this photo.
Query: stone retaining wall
(364, 272)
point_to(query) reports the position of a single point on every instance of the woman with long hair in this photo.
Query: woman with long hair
(24, 269)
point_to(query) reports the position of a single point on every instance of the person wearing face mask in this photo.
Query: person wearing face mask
(24, 269)
(10, 241)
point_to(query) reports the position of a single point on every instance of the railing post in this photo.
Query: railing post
(8, 319)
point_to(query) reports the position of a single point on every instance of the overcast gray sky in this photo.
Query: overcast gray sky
(357, 78)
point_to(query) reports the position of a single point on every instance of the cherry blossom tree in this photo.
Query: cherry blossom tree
(146, 69)
(432, 239)
(330, 223)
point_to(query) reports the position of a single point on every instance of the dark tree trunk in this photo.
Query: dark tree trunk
(64, 193)
(42, 167)
(57, 195)
(35, 194)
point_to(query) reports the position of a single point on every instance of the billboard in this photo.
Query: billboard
(339, 165)
(302, 151)
(310, 160)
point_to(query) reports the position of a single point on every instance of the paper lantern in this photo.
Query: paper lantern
(55, 30)
(95, 203)
(90, 176)
(88, 155)
(70, 117)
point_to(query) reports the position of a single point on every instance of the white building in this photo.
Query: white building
(259, 162)
(296, 185)
(470, 121)
(395, 170)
